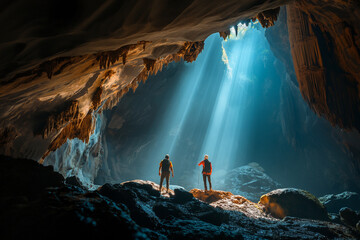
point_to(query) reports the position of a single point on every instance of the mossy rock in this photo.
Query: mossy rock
(293, 202)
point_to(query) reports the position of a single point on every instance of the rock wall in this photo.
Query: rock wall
(323, 151)
(81, 159)
(325, 43)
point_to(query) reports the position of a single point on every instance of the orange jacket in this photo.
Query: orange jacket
(203, 164)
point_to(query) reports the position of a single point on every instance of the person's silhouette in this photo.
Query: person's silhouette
(207, 170)
(164, 171)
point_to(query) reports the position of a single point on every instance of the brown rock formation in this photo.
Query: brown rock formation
(57, 121)
(215, 195)
(71, 117)
(191, 50)
(149, 63)
(80, 128)
(325, 43)
(99, 36)
(47, 67)
(268, 18)
(225, 34)
(106, 59)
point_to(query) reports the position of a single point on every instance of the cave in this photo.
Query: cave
(99, 100)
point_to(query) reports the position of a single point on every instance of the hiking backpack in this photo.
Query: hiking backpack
(165, 166)
(207, 168)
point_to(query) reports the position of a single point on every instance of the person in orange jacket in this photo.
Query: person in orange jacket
(164, 171)
(207, 170)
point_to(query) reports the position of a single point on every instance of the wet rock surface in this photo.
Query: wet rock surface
(293, 202)
(334, 202)
(136, 210)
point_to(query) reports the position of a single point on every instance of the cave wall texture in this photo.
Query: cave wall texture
(325, 45)
(64, 62)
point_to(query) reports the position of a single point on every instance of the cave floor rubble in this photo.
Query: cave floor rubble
(38, 204)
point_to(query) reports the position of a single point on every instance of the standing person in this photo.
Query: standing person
(164, 171)
(207, 170)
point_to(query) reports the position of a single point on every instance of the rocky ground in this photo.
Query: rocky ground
(37, 203)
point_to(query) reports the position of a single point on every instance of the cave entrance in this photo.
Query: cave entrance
(209, 107)
(237, 102)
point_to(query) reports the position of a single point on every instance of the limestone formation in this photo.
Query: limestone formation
(268, 17)
(325, 47)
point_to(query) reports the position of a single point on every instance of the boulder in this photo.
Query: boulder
(182, 196)
(358, 226)
(249, 181)
(334, 202)
(349, 216)
(73, 180)
(26, 177)
(293, 202)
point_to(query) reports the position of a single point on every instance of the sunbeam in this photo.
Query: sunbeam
(205, 112)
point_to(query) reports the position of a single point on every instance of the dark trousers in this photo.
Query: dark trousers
(209, 179)
(167, 176)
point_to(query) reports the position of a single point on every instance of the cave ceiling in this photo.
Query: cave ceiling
(65, 61)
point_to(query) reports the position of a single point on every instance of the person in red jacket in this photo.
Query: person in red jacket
(207, 170)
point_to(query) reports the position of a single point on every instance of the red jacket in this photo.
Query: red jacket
(203, 163)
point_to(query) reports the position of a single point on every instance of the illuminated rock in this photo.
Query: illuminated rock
(215, 195)
(293, 202)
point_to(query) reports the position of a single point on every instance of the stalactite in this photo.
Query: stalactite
(96, 99)
(268, 18)
(144, 44)
(149, 63)
(81, 128)
(225, 34)
(106, 59)
(191, 50)
(57, 121)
